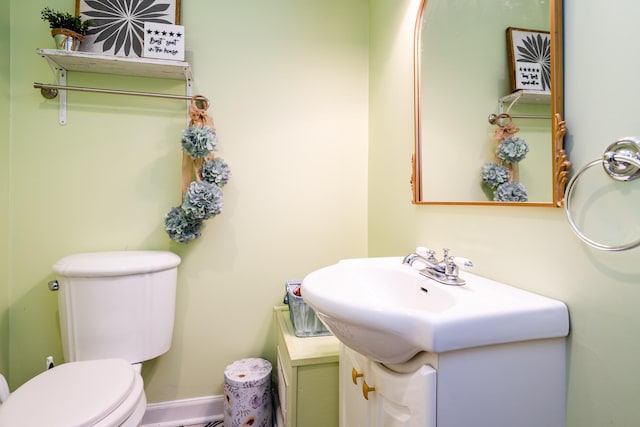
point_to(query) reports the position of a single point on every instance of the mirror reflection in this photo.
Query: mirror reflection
(488, 100)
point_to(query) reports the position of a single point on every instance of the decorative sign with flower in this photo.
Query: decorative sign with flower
(203, 177)
(529, 59)
(118, 27)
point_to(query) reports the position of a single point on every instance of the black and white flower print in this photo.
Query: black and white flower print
(119, 24)
(536, 48)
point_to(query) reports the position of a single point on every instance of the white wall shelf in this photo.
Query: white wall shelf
(61, 62)
(523, 97)
(527, 97)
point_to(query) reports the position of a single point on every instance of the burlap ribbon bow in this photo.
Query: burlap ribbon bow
(192, 168)
(506, 127)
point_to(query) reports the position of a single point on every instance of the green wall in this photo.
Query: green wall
(289, 99)
(5, 110)
(531, 248)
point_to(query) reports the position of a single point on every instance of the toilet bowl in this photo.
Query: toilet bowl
(95, 393)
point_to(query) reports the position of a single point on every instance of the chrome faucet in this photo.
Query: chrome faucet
(444, 271)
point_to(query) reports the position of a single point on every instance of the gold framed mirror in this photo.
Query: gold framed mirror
(463, 80)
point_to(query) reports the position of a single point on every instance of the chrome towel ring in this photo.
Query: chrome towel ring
(621, 161)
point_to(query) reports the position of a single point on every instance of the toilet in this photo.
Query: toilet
(116, 311)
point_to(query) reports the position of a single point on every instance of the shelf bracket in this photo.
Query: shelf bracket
(514, 99)
(189, 89)
(62, 107)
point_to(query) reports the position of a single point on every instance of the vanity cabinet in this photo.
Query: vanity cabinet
(506, 385)
(307, 376)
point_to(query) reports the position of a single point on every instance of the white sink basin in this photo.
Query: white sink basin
(389, 312)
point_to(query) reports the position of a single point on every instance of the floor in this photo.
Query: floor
(211, 424)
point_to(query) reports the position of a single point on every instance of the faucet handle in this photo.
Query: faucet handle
(464, 263)
(425, 252)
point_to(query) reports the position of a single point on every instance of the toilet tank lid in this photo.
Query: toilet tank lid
(117, 263)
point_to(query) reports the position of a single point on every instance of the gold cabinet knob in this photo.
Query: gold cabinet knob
(366, 389)
(355, 375)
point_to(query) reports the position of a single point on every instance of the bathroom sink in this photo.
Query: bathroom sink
(389, 312)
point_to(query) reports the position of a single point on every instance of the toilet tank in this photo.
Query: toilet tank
(117, 304)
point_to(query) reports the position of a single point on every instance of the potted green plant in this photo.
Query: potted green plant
(67, 30)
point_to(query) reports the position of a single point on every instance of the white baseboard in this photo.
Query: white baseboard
(184, 412)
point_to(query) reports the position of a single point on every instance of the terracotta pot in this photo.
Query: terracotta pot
(66, 39)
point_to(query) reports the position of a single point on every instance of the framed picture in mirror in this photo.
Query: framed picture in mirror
(118, 27)
(529, 59)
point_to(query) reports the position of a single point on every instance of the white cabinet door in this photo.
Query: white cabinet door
(403, 400)
(354, 408)
(394, 400)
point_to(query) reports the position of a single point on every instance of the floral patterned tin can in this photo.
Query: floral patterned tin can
(247, 394)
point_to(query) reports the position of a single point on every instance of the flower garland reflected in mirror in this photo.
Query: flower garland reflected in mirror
(500, 177)
(203, 176)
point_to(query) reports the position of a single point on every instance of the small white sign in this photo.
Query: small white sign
(163, 41)
(529, 76)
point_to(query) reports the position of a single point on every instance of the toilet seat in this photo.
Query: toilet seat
(95, 393)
